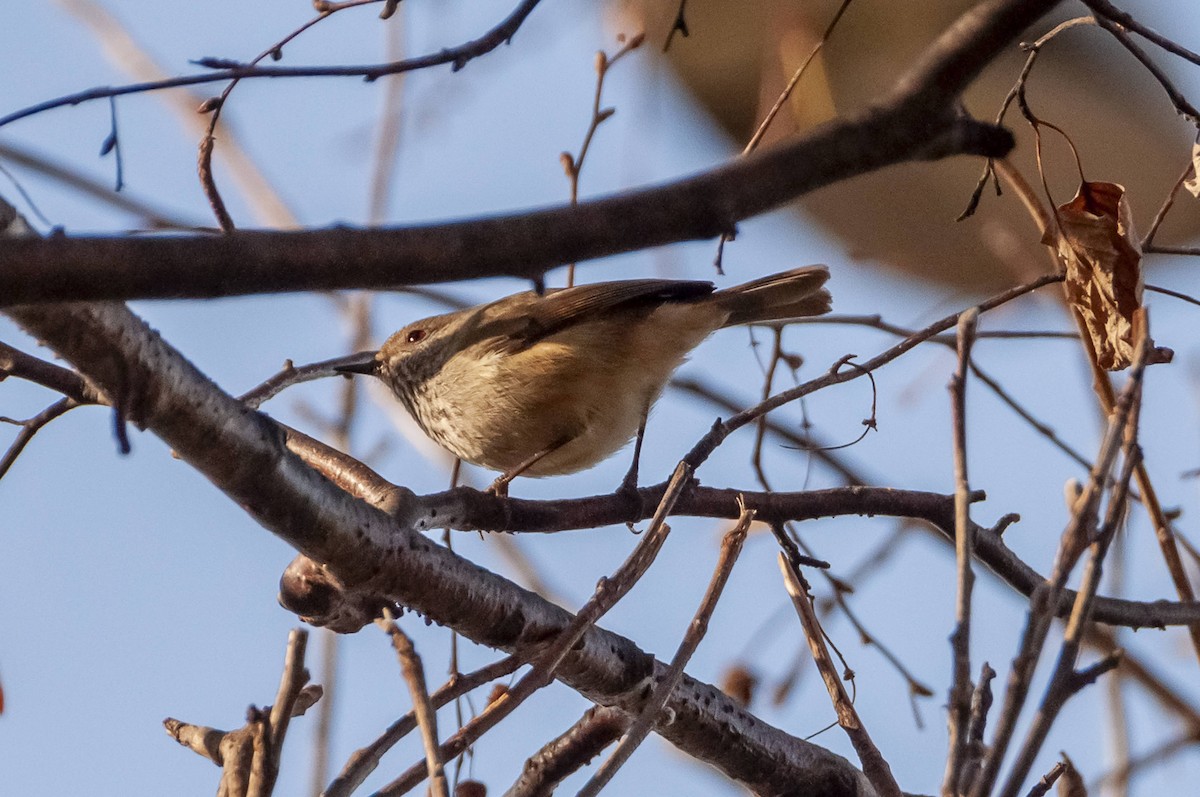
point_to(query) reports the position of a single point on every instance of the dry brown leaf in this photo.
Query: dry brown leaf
(470, 788)
(1070, 784)
(1193, 183)
(1100, 252)
(740, 683)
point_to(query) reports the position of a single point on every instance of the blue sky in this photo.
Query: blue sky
(131, 589)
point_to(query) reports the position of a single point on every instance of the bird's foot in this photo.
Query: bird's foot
(499, 488)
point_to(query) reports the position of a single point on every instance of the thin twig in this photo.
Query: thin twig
(1038, 426)
(608, 592)
(1043, 786)
(265, 764)
(457, 57)
(214, 106)
(958, 715)
(678, 26)
(414, 676)
(1108, 10)
(731, 547)
(761, 131)
(1174, 294)
(14, 362)
(364, 761)
(760, 426)
(1046, 596)
(113, 144)
(1189, 169)
(990, 170)
(877, 322)
(31, 427)
(599, 727)
(837, 374)
(981, 704)
(130, 56)
(775, 108)
(1156, 249)
(1066, 681)
(874, 765)
(573, 164)
(292, 375)
(807, 442)
(1176, 96)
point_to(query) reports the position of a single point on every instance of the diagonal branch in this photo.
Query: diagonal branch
(920, 119)
(243, 453)
(465, 509)
(520, 245)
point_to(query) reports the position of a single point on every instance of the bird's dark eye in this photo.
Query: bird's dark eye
(415, 335)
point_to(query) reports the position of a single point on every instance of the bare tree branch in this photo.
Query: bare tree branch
(961, 688)
(457, 57)
(651, 714)
(920, 119)
(414, 675)
(595, 730)
(249, 756)
(364, 761)
(244, 455)
(469, 510)
(874, 764)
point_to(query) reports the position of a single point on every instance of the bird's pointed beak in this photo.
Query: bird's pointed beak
(362, 363)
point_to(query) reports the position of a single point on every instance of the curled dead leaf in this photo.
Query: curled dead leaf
(1192, 183)
(740, 682)
(470, 788)
(1102, 257)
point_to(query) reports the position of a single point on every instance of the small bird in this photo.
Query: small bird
(543, 385)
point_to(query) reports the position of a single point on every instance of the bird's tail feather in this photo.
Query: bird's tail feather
(778, 297)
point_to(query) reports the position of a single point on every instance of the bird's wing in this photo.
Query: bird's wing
(558, 309)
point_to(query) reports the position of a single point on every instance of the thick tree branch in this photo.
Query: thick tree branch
(369, 552)
(243, 453)
(919, 119)
(521, 245)
(470, 510)
(465, 509)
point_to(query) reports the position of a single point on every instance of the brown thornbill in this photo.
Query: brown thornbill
(552, 384)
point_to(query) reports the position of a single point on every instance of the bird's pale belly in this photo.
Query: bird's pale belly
(501, 437)
(524, 412)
